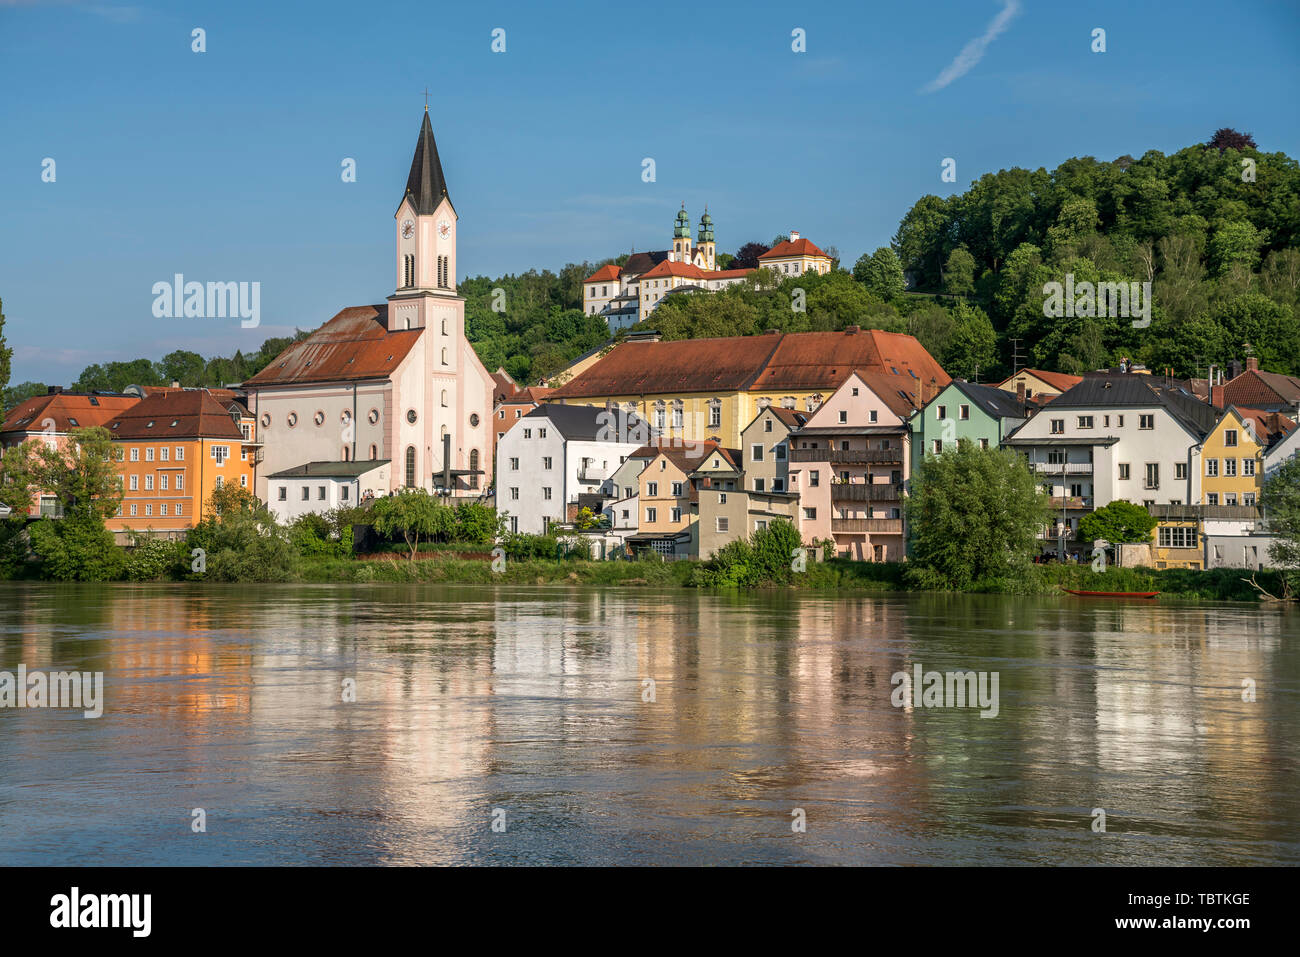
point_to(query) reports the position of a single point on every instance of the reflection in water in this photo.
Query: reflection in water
(638, 726)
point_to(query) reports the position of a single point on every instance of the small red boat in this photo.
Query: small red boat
(1113, 594)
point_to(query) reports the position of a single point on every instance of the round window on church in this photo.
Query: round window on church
(374, 416)
(292, 419)
(345, 416)
(473, 419)
(410, 416)
(319, 417)
(266, 419)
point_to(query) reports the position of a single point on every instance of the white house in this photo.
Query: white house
(1123, 436)
(557, 452)
(322, 486)
(1281, 453)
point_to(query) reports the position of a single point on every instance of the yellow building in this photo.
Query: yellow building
(1232, 458)
(711, 389)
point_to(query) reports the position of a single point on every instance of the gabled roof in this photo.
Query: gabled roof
(798, 247)
(589, 423)
(1057, 380)
(187, 414)
(355, 344)
(791, 417)
(685, 455)
(426, 187)
(1259, 389)
(998, 403)
(606, 273)
(772, 362)
(902, 394)
(639, 263)
(1269, 427)
(343, 470)
(68, 410)
(1134, 390)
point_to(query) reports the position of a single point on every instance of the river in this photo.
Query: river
(573, 725)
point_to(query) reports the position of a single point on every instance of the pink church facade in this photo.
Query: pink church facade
(394, 382)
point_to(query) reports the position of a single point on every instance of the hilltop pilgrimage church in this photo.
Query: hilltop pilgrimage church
(389, 395)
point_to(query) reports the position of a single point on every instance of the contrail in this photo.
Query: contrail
(973, 51)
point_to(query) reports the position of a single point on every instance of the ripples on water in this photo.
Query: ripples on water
(530, 700)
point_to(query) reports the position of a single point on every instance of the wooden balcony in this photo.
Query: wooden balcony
(849, 456)
(1071, 501)
(862, 492)
(878, 526)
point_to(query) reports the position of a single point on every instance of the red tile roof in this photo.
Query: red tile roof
(69, 410)
(1254, 387)
(799, 247)
(355, 344)
(176, 414)
(608, 272)
(1057, 380)
(1260, 421)
(772, 362)
(690, 271)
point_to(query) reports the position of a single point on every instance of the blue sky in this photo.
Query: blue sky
(225, 165)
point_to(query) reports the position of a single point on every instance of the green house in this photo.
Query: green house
(964, 410)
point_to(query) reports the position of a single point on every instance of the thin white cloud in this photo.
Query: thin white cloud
(973, 51)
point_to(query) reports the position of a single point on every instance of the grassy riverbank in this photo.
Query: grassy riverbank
(837, 574)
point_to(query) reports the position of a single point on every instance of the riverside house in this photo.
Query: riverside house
(1122, 436)
(177, 446)
(964, 410)
(849, 463)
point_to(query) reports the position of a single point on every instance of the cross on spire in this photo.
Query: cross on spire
(426, 99)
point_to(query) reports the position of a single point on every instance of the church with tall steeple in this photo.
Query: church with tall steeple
(397, 383)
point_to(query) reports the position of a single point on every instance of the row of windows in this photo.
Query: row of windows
(1145, 421)
(321, 495)
(1230, 498)
(1229, 467)
(176, 509)
(133, 454)
(652, 515)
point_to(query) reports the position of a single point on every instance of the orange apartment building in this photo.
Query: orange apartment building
(52, 417)
(177, 447)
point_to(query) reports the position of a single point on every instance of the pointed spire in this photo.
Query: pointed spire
(426, 185)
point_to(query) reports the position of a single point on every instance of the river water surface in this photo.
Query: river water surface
(639, 726)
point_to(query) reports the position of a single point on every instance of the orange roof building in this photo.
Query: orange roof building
(710, 389)
(178, 446)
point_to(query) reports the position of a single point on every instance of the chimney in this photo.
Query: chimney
(176, 383)
(53, 390)
(794, 234)
(1234, 369)
(1216, 396)
(852, 330)
(1020, 391)
(1252, 363)
(1273, 424)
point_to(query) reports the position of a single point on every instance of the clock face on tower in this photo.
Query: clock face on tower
(444, 229)
(408, 229)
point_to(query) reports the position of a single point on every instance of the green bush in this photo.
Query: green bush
(152, 559)
(76, 549)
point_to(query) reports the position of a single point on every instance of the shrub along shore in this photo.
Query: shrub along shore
(417, 539)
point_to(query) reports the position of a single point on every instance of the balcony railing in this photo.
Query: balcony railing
(1062, 468)
(1071, 501)
(849, 456)
(880, 526)
(862, 492)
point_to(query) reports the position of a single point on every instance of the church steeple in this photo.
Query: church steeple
(426, 187)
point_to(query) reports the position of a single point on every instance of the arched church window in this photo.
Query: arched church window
(444, 355)
(374, 452)
(410, 466)
(473, 464)
(345, 454)
(444, 398)
(408, 270)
